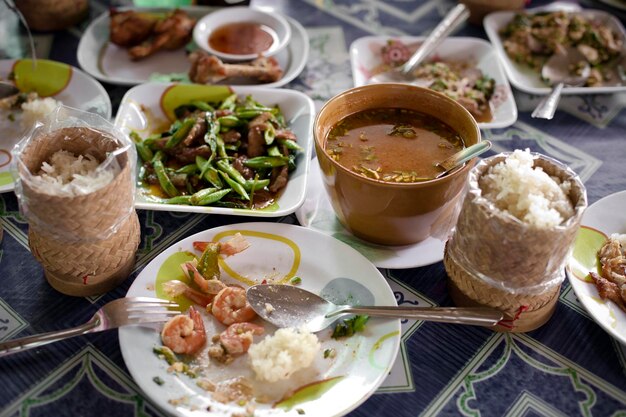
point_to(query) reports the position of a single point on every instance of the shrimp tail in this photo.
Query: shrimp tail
(235, 245)
(177, 288)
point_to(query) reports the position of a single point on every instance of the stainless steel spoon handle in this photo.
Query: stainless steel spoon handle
(547, 106)
(463, 156)
(478, 316)
(453, 19)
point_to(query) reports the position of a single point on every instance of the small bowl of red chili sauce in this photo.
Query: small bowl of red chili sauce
(242, 33)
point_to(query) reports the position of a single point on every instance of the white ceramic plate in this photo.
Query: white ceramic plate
(524, 78)
(618, 4)
(317, 213)
(62, 82)
(365, 55)
(326, 267)
(603, 218)
(110, 63)
(143, 110)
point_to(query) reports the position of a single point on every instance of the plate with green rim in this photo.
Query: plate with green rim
(149, 108)
(64, 83)
(331, 386)
(602, 219)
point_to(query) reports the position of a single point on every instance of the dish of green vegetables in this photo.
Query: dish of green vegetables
(233, 153)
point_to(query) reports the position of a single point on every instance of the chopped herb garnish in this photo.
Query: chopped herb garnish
(295, 280)
(158, 380)
(406, 131)
(300, 411)
(347, 328)
(329, 353)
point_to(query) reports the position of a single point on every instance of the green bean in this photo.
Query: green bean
(204, 106)
(213, 177)
(151, 140)
(158, 156)
(174, 127)
(251, 113)
(164, 180)
(187, 169)
(229, 121)
(233, 147)
(180, 134)
(223, 165)
(213, 197)
(201, 194)
(144, 152)
(231, 204)
(252, 185)
(221, 148)
(266, 162)
(229, 102)
(238, 188)
(290, 144)
(273, 151)
(270, 134)
(179, 199)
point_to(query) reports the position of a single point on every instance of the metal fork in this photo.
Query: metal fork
(114, 314)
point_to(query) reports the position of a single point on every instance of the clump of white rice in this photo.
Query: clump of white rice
(279, 356)
(527, 193)
(69, 175)
(36, 110)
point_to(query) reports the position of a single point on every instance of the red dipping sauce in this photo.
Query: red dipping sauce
(242, 38)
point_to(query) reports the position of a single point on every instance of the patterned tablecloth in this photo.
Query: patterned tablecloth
(568, 367)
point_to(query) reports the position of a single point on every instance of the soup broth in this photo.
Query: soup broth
(394, 145)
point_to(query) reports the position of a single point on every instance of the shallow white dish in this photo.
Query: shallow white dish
(603, 218)
(110, 63)
(210, 22)
(143, 109)
(365, 55)
(326, 267)
(66, 84)
(524, 78)
(317, 213)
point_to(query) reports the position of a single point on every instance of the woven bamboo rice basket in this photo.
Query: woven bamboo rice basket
(495, 260)
(86, 243)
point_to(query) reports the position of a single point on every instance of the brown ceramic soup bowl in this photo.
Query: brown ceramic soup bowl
(390, 213)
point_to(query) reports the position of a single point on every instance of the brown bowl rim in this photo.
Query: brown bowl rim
(466, 167)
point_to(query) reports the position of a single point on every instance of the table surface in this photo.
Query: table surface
(568, 367)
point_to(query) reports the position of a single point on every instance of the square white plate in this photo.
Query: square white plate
(365, 55)
(528, 80)
(143, 109)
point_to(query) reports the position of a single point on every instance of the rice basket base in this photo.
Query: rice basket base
(522, 312)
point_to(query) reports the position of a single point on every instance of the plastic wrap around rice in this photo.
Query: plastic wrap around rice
(529, 208)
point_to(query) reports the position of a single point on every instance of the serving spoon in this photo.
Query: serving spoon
(462, 157)
(290, 306)
(404, 73)
(557, 71)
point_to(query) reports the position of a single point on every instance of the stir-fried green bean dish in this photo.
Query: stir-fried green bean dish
(532, 38)
(235, 153)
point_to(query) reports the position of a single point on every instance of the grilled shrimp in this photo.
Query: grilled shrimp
(230, 306)
(184, 334)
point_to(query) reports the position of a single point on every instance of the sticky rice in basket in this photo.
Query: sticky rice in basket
(529, 208)
(74, 177)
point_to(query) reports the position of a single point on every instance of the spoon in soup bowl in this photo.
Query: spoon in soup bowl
(459, 158)
(404, 73)
(289, 306)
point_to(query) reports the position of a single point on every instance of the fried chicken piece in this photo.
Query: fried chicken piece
(171, 33)
(208, 69)
(609, 290)
(129, 28)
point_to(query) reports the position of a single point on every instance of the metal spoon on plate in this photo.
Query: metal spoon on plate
(404, 73)
(462, 157)
(290, 306)
(558, 72)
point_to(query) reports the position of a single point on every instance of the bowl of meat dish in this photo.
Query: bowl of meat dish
(377, 146)
(242, 33)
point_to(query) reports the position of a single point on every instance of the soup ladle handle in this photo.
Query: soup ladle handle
(463, 156)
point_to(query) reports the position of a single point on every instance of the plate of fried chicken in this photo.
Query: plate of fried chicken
(129, 46)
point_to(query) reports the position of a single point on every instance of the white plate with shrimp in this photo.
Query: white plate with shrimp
(332, 386)
(110, 63)
(602, 219)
